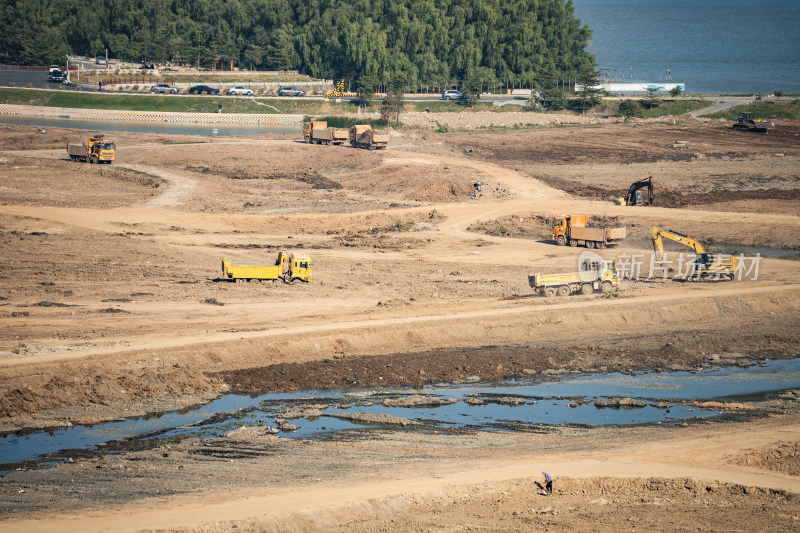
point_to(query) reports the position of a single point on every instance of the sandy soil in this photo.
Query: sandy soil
(109, 310)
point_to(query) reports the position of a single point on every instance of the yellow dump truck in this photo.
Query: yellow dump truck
(573, 230)
(363, 136)
(97, 149)
(287, 268)
(595, 275)
(318, 132)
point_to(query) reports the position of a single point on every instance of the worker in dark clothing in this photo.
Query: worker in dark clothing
(548, 486)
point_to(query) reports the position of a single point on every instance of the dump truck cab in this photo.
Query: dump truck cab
(103, 148)
(299, 268)
(309, 127)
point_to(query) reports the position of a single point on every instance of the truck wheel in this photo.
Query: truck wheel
(563, 290)
(549, 292)
(600, 245)
(586, 289)
(561, 240)
(590, 244)
(573, 243)
(606, 287)
(93, 159)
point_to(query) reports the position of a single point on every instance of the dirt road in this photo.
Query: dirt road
(114, 309)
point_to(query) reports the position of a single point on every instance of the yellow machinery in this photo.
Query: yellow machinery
(97, 150)
(318, 132)
(707, 266)
(573, 230)
(363, 136)
(286, 268)
(635, 196)
(595, 275)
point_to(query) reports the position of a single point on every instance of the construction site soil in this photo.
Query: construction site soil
(113, 307)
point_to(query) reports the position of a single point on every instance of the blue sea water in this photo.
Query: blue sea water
(713, 46)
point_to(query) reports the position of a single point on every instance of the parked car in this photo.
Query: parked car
(239, 90)
(200, 89)
(56, 77)
(100, 61)
(164, 88)
(452, 95)
(290, 91)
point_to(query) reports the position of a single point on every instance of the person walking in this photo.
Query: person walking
(548, 486)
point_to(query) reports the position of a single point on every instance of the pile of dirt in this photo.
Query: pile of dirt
(784, 458)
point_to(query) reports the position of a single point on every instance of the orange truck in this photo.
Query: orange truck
(573, 230)
(363, 136)
(318, 132)
(97, 149)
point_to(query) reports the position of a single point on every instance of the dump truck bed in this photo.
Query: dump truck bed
(77, 149)
(331, 135)
(251, 271)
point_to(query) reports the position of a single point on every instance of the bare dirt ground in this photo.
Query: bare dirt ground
(110, 308)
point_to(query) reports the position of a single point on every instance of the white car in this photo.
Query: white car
(239, 90)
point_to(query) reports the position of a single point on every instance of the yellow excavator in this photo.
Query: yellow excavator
(636, 196)
(707, 266)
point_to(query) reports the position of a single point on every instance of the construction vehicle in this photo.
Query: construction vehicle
(318, 132)
(706, 265)
(746, 122)
(572, 230)
(97, 149)
(363, 136)
(636, 195)
(596, 275)
(287, 268)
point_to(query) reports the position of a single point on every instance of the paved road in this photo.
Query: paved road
(723, 104)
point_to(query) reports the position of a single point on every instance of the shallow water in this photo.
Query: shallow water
(546, 403)
(156, 127)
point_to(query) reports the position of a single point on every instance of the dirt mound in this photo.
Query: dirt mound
(784, 458)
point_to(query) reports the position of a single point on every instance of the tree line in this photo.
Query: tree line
(384, 41)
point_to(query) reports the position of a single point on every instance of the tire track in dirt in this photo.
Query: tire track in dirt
(178, 188)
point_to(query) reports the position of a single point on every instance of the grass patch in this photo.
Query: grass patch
(787, 109)
(457, 107)
(675, 107)
(664, 108)
(175, 104)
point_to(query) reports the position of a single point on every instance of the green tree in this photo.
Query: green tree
(472, 90)
(628, 109)
(392, 105)
(653, 97)
(48, 47)
(253, 54)
(676, 91)
(365, 91)
(590, 91)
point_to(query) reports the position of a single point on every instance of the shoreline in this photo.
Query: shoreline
(168, 117)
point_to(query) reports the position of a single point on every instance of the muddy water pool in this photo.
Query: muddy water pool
(663, 398)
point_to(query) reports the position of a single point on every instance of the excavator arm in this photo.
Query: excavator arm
(630, 198)
(660, 233)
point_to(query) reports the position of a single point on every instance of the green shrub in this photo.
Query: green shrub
(629, 109)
